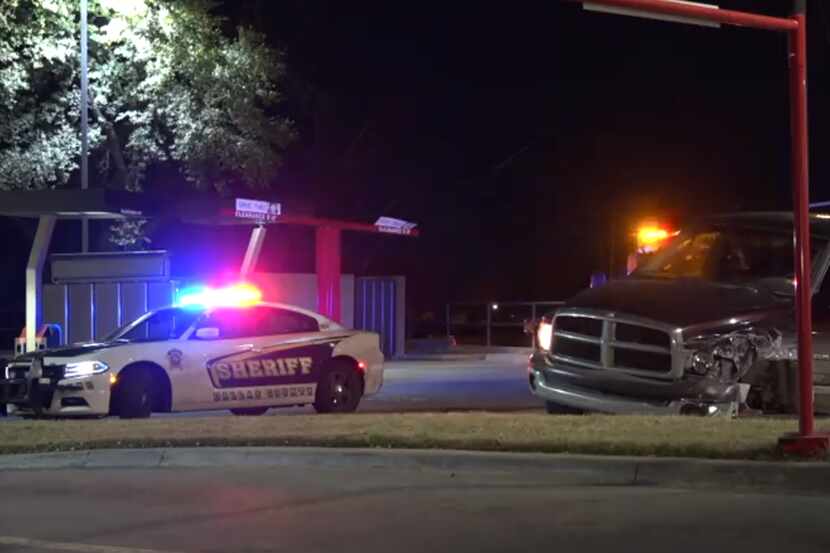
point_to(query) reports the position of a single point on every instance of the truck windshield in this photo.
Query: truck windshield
(164, 324)
(725, 254)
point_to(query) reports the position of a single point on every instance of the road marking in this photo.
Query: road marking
(78, 547)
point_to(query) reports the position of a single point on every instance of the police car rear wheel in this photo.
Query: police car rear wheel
(135, 400)
(249, 411)
(339, 390)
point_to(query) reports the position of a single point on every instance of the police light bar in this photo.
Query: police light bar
(590, 6)
(238, 295)
(394, 226)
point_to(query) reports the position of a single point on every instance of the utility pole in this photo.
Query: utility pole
(84, 122)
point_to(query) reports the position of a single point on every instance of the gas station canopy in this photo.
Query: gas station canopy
(50, 205)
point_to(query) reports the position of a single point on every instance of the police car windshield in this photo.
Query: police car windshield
(164, 324)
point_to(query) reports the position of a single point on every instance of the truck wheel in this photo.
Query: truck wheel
(249, 411)
(135, 395)
(339, 390)
(553, 408)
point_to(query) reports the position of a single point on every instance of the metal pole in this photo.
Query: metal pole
(84, 121)
(34, 278)
(800, 177)
(253, 251)
(489, 320)
(702, 13)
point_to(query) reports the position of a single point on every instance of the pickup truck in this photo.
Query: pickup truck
(704, 326)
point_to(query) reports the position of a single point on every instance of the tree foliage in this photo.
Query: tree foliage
(167, 87)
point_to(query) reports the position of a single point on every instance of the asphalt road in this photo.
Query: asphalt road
(493, 385)
(297, 508)
(412, 386)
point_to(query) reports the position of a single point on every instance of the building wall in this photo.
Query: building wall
(301, 289)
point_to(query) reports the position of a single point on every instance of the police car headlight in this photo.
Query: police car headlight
(84, 368)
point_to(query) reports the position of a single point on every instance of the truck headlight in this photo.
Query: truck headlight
(701, 363)
(544, 335)
(84, 368)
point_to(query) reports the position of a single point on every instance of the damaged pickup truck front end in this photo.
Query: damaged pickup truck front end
(706, 327)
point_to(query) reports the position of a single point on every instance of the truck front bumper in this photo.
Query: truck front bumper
(613, 392)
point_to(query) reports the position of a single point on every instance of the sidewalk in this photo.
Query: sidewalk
(564, 469)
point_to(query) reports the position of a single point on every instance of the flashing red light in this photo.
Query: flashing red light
(237, 295)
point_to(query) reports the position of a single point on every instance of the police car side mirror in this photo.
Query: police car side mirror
(207, 333)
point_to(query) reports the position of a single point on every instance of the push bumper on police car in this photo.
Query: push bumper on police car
(42, 387)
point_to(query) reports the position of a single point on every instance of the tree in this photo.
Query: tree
(167, 87)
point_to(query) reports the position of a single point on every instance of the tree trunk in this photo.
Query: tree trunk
(122, 180)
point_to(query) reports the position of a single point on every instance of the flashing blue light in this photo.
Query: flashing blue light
(238, 295)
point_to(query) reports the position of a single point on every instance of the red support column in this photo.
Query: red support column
(328, 271)
(807, 442)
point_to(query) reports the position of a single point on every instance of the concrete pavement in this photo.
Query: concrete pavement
(800, 477)
(397, 505)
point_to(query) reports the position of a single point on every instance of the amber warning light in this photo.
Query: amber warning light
(651, 237)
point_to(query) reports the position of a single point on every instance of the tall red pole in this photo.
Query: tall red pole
(328, 271)
(806, 441)
(800, 177)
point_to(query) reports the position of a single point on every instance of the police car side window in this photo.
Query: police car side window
(283, 321)
(258, 321)
(232, 323)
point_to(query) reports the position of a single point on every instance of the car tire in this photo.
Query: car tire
(339, 389)
(135, 395)
(553, 408)
(249, 411)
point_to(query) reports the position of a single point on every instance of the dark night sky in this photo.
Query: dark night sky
(522, 136)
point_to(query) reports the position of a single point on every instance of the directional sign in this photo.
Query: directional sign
(394, 226)
(590, 6)
(257, 209)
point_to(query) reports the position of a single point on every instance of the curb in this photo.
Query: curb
(799, 477)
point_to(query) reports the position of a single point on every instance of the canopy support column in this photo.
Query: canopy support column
(34, 278)
(328, 271)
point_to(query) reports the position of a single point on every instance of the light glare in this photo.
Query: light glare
(544, 335)
(238, 295)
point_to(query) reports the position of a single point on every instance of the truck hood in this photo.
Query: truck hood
(680, 302)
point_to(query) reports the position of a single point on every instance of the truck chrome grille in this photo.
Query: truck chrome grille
(612, 342)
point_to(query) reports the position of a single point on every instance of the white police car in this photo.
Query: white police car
(220, 349)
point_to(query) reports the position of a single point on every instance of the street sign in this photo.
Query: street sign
(258, 209)
(394, 226)
(590, 6)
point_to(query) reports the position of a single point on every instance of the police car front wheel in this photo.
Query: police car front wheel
(135, 399)
(339, 390)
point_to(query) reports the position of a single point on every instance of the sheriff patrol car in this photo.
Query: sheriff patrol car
(222, 349)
